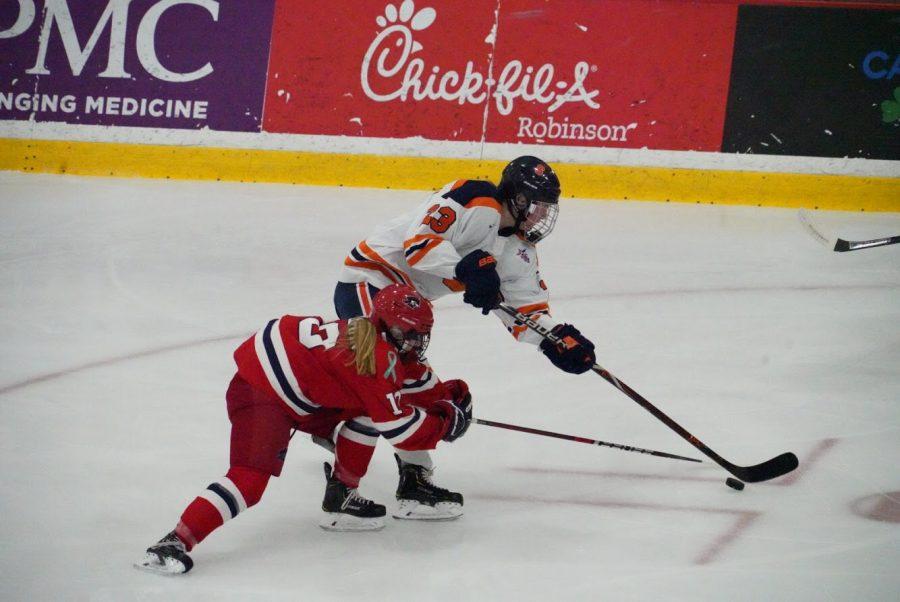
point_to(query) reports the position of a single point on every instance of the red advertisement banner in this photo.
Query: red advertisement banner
(614, 73)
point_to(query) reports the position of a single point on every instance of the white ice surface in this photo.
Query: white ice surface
(122, 301)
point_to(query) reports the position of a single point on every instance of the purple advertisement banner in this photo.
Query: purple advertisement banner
(148, 63)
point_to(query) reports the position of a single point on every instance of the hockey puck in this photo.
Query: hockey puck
(734, 484)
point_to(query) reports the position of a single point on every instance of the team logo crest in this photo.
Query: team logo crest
(413, 302)
(539, 169)
(523, 255)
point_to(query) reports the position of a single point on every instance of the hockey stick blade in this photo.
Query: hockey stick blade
(842, 246)
(768, 470)
(776, 467)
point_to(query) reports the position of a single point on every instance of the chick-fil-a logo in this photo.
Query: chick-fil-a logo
(390, 67)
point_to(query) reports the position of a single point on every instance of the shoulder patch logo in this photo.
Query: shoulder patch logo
(523, 255)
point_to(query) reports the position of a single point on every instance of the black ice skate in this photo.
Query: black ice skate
(168, 556)
(346, 510)
(420, 499)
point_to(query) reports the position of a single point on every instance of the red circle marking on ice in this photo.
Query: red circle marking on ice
(883, 507)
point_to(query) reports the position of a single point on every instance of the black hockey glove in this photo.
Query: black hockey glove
(458, 413)
(478, 271)
(574, 354)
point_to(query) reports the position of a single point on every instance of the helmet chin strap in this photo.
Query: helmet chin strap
(518, 215)
(399, 344)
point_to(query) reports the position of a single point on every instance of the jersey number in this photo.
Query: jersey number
(392, 399)
(439, 218)
(313, 333)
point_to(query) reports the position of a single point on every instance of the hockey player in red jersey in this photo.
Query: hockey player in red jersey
(304, 373)
(480, 239)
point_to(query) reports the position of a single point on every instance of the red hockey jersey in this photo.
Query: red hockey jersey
(299, 360)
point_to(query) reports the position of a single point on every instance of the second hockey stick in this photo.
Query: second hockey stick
(629, 448)
(839, 244)
(770, 469)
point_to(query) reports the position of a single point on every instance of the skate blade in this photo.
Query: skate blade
(335, 521)
(413, 510)
(151, 564)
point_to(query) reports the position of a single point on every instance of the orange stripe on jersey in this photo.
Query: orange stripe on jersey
(454, 285)
(364, 301)
(418, 238)
(367, 251)
(457, 184)
(484, 201)
(371, 265)
(529, 309)
(418, 255)
(518, 330)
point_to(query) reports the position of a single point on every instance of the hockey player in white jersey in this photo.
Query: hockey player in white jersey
(480, 239)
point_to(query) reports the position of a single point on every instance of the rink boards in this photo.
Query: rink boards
(852, 193)
(728, 104)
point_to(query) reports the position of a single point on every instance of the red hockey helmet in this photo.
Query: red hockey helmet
(405, 316)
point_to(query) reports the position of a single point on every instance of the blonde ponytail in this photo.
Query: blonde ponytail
(360, 338)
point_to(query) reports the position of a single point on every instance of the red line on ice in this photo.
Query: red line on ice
(745, 518)
(817, 452)
(744, 521)
(113, 360)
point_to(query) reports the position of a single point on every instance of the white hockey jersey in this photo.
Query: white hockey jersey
(422, 247)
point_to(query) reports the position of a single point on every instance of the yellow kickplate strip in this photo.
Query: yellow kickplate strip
(848, 193)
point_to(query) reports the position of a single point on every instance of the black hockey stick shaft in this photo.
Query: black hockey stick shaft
(842, 246)
(630, 448)
(765, 471)
(839, 244)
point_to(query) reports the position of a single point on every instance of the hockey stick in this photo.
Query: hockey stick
(630, 448)
(770, 469)
(839, 244)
